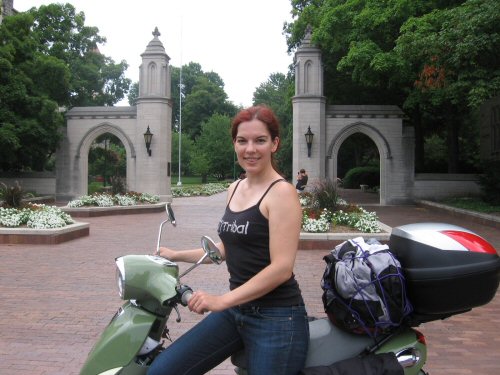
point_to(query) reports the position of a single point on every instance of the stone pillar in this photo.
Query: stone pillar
(309, 110)
(154, 110)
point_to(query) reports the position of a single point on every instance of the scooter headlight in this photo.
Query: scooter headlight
(120, 277)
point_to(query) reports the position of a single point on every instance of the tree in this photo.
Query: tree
(277, 93)
(133, 94)
(205, 100)
(107, 158)
(95, 79)
(456, 52)
(187, 147)
(375, 52)
(200, 165)
(215, 145)
(29, 117)
(203, 96)
(49, 60)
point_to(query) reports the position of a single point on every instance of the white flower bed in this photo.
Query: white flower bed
(39, 216)
(319, 225)
(362, 220)
(194, 191)
(107, 200)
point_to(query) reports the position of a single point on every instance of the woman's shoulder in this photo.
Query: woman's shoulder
(282, 198)
(282, 186)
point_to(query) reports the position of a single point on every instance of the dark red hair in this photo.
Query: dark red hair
(264, 114)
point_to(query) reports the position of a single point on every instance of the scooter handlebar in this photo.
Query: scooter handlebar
(186, 293)
(186, 297)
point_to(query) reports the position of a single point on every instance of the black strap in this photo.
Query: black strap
(260, 200)
(269, 188)
(234, 191)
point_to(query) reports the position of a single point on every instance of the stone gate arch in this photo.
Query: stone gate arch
(83, 149)
(147, 172)
(332, 124)
(383, 147)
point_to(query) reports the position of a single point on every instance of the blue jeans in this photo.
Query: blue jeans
(275, 339)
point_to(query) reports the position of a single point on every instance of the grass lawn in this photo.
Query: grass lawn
(472, 204)
(190, 180)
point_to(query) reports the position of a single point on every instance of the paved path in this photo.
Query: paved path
(56, 300)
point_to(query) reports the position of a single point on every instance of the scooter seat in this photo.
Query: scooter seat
(327, 344)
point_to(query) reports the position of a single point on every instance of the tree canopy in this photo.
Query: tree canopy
(48, 60)
(29, 116)
(435, 58)
(214, 152)
(277, 93)
(95, 79)
(202, 96)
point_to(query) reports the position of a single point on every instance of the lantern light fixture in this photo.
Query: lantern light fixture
(309, 140)
(148, 136)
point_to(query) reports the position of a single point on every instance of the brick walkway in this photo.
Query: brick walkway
(56, 300)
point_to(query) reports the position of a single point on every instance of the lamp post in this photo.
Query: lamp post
(309, 140)
(181, 87)
(148, 136)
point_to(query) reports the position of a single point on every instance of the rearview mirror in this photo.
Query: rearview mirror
(211, 249)
(170, 212)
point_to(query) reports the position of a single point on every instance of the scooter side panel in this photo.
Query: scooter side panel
(120, 341)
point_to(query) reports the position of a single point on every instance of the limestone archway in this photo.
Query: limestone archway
(383, 147)
(83, 148)
(333, 124)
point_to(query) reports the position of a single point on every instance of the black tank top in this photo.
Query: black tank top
(245, 235)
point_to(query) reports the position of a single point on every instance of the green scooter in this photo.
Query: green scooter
(435, 257)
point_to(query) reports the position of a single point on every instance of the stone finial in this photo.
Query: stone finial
(308, 31)
(307, 36)
(156, 33)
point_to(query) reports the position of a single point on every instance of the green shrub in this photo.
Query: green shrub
(95, 187)
(369, 175)
(324, 195)
(489, 182)
(118, 185)
(12, 196)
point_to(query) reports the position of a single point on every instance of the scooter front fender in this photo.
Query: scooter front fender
(120, 341)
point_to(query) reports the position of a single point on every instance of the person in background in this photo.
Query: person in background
(263, 312)
(301, 180)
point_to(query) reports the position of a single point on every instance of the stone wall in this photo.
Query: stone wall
(42, 183)
(433, 186)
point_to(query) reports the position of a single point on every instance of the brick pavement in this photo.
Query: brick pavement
(56, 300)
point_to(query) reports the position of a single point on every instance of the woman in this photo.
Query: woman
(263, 312)
(301, 180)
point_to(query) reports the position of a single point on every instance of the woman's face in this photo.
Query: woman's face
(253, 146)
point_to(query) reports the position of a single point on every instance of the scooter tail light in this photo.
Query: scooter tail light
(470, 241)
(420, 337)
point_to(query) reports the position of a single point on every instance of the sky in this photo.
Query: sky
(241, 40)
